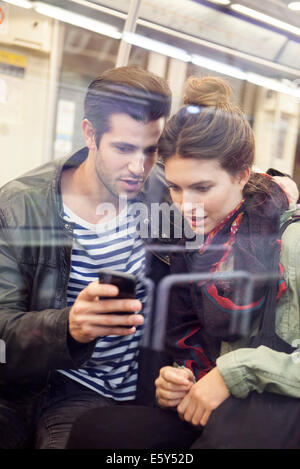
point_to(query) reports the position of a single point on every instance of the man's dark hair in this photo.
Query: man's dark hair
(130, 90)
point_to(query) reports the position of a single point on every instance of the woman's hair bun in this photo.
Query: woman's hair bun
(207, 91)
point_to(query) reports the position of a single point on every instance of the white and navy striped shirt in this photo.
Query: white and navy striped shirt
(112, 369)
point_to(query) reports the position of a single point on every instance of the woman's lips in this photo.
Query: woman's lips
(196, 221)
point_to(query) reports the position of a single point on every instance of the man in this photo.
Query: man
(67, 349)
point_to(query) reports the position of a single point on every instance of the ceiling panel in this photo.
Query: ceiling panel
(291, 55)
(276, 8)
(218, 25)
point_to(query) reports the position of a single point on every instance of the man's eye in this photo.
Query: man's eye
(151, 152)
(123, 149)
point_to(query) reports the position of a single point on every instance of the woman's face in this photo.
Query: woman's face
(205, 192)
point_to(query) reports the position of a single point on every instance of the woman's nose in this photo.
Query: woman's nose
(190, 203)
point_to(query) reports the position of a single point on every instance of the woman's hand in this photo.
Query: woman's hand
(172, 385)
(204, 396)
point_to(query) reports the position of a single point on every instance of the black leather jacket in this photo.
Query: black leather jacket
(35, 261)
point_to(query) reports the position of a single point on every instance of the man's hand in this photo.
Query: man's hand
(204, 396)
(88, 318)
(288, 186)
(172, 385)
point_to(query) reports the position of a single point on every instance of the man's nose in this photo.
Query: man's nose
(137, 165)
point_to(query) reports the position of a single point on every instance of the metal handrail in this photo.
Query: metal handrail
(238, 324)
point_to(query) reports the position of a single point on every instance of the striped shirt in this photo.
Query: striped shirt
(112, 368)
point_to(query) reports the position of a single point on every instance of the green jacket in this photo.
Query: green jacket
(262, 369)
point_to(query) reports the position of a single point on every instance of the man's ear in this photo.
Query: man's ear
(89, 134)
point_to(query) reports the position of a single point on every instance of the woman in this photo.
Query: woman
(208, 155)
(208, 151)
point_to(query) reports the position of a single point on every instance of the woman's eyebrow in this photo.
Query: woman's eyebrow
(195, 184)
(169, 182)
(199, 183)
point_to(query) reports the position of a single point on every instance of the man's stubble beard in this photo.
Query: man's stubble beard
(107, 186)
(113, 191)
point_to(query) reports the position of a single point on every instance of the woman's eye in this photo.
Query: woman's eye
(203, 188)
(174, 188)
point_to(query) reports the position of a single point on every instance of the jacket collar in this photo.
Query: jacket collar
(61, 164)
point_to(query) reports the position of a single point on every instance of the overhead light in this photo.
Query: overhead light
(156, 46)
(221, 2)
(265, 18)
(218, 67)
(20, 3)
(171, 51)
(271, 84)
(254, 78)
(294, 6)
(213, 65)
(76, 20)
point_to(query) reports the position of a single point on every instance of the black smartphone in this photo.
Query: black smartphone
(126, 284)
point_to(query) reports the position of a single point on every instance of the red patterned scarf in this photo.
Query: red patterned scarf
(246, 240)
